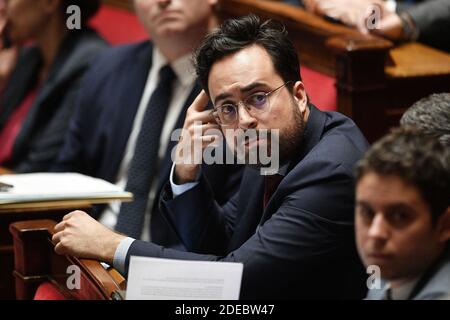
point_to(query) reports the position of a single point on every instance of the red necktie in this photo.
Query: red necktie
(270, 185)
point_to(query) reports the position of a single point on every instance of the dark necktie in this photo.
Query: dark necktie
(388, 294)
(270, 185)
(144, 163)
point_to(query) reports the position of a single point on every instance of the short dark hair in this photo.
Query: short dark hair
(237, 34)
(88, 8)
(431, 115)
(418, 159)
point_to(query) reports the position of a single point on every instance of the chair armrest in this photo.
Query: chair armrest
(36, 262)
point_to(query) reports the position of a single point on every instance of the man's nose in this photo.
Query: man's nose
(379, 228)
(246, 120)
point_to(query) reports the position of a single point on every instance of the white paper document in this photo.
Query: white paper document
(167, 279)
(33, 187)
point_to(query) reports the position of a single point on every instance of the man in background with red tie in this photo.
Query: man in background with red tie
(292, 227)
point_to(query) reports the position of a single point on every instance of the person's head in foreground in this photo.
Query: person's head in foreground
(431, 115)
(403, 211)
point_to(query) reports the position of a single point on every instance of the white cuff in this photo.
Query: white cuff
(178, 189)
(120, 255)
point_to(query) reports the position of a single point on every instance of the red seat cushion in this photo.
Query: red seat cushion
(48, 291)
(118, 26)
(320, 88)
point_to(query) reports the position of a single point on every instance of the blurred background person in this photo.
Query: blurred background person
(134, 96)
(41, 63)
(426, 21)
(402, 215)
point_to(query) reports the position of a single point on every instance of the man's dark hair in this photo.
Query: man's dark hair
(237, 34)
(418, 159)
(431, 115)
(88, 8)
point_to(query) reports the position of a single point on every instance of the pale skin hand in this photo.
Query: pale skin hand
(354, 13)
(186, 171)
(80, 235)
(349, 12)
(390, 27)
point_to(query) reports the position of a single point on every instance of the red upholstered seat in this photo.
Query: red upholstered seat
(321, 89)
(48, 291)
(118, 26)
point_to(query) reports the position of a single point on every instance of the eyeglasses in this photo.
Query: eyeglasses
(255, 104)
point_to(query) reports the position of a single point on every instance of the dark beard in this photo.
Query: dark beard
(291, 138)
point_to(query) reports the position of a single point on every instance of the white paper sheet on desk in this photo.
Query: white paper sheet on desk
(57, 186)
(166, 279)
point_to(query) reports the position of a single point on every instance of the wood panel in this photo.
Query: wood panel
(7, 217)
(36, 262)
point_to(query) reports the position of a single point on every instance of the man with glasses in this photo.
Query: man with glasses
(293, 230)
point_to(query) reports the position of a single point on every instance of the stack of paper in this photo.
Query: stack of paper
(57, 187)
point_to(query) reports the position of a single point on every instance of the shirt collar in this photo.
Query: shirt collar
(183, 66)
(403, 292)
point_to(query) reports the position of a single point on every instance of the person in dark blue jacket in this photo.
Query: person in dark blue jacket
(292, 227)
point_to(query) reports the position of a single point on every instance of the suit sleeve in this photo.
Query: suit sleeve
(71, 157)
(200, 222)
(47, 143)
(432, 18)
(311, 232)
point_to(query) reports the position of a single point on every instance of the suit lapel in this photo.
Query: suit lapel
(69, 64)
(20, 83)
(312, 135)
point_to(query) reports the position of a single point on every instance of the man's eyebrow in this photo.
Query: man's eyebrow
(401, 205)
(363, 203)
(248, 88)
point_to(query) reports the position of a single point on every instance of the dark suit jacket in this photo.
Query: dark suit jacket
(302, 245)
(41, 136)
(99, 132)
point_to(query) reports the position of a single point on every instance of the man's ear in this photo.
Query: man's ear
(300, 95)
(444, 226)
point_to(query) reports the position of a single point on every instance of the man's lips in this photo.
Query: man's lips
(379, 256)
(252, 142)
(167, 14)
